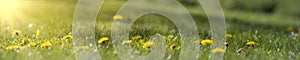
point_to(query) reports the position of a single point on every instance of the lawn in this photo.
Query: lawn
(41, 30)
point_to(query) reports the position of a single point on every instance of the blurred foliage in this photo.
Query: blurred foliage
(279, 7)
(289, 7)
(247, 5)
(267, 6)
(188, 2)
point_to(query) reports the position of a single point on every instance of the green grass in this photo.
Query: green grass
(54, 20)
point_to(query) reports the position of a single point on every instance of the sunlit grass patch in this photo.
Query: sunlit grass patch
(49, 37)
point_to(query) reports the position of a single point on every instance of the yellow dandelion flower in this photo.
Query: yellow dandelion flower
(32, 44)
(228, 36)
(118, 17)
(218, 50)
(136, 37)
(37, 34)
(69, 37)
(147, 45)
(206, 42)
(251, 43)
(46, 44)
(16, 32)
(226, 44)
(13, 47)
(82, 47)
(172, 46)
(23, 40)
(290, 29)
(102, 40)
(126, 42)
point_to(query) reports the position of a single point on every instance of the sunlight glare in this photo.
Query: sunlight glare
(8, 8)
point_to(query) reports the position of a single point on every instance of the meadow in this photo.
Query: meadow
(41, 30)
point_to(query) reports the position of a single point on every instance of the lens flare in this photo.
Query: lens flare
(8, 7)
(9, 11)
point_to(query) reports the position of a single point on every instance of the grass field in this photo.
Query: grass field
(42, 32)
